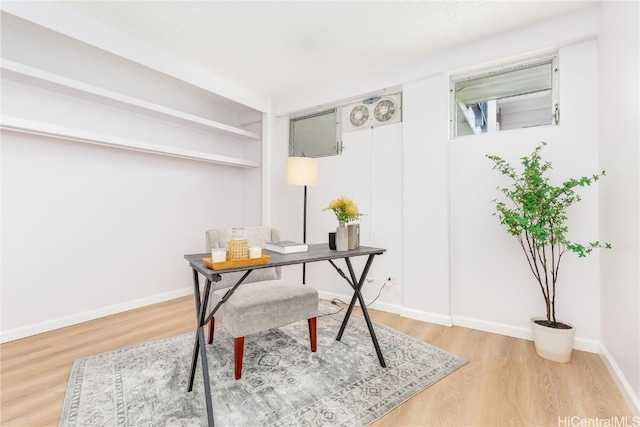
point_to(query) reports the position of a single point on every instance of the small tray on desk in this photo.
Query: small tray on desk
(236, 263)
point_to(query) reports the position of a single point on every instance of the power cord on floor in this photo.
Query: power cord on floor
(377, 296)
(335, 302)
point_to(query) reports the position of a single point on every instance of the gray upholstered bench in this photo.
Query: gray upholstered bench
(263, 305)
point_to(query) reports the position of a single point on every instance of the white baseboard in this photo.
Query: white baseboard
(62, 322)
(583, 344)
(625, 388)
(493, 327)
(423, 316)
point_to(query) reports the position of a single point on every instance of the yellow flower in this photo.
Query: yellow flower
(345, 209)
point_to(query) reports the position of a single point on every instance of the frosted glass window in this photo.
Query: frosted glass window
(314, 135)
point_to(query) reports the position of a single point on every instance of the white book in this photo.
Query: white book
(286, 247)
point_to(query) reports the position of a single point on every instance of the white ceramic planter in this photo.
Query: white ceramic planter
(551, 343)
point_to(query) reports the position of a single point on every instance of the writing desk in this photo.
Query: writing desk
(319, 252)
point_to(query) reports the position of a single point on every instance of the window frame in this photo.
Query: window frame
(498, 69)
(337, 129)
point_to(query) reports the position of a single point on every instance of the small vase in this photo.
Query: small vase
(342, 237)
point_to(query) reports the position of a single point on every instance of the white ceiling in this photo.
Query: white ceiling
(276, 48)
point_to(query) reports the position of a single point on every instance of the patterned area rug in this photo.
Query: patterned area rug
(282, 384)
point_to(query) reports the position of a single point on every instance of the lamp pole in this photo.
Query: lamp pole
(304, 235)
(303, 171)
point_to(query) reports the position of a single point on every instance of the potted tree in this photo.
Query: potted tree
(536, 215)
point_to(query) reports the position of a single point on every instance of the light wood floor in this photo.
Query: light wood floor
(504, 383)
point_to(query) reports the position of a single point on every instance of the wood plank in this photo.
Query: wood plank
(504, 383)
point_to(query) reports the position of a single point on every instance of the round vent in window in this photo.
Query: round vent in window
(384, 111)
(359, 115)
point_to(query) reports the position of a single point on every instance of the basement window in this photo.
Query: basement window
(509, 97)
(315, 135)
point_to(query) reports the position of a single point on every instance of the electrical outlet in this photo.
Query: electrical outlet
(391, 280)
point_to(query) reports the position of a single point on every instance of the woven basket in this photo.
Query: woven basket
(238, 249)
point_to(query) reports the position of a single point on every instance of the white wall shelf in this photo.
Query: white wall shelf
(33, 127)
(112, 96)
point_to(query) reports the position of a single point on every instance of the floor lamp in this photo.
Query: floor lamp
(303, 171)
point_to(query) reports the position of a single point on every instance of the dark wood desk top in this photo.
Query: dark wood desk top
(316, 252)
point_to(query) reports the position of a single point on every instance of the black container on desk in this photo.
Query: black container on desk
(332, 240)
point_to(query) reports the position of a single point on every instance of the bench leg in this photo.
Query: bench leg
(239, 353)
(313, 333)
(212, 325)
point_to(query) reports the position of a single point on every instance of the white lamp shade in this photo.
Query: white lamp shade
(302, 171)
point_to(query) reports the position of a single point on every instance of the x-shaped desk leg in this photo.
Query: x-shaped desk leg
(199, 346)
(357, 295)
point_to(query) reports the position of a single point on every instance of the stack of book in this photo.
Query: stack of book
(286, 247)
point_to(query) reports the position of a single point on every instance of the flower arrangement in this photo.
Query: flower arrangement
(345, 209)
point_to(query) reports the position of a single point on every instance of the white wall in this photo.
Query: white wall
(451, 243)
(458, 264)
(492, 287)
(619, 136)
(466, 275)
(367, 171)
(88, 231)
(426, 200)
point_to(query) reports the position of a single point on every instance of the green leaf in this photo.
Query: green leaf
(535, 211)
